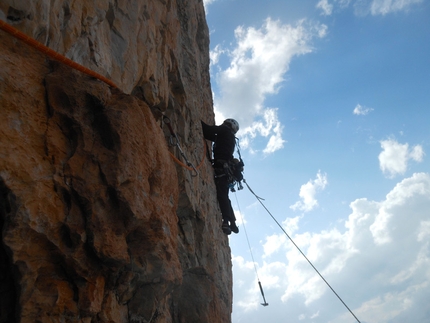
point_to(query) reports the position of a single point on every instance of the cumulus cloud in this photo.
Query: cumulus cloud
(379, 262)
(269, 127)
(394, 158)
(258, 62)
(307, 193)
(361, 110)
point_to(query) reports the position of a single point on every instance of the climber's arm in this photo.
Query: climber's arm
(209, 132)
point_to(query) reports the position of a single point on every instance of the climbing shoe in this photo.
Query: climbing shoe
(226, 228)
(234, 227)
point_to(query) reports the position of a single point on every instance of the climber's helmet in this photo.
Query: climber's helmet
(232, 124)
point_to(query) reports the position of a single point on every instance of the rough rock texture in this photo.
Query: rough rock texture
(98, 222)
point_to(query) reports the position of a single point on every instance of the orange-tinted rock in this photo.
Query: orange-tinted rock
(99, 223)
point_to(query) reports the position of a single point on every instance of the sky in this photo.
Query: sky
(333, 102)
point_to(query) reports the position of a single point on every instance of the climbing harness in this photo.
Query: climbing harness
(237, 170)
(261, 199)
(232, 169)
(252, 256)
(51, 53)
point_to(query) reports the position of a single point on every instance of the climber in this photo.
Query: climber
(224, 140)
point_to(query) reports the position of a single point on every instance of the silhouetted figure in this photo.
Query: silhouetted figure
(224, 140)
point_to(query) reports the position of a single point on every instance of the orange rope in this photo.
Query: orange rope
(51, 53)
(186, 166)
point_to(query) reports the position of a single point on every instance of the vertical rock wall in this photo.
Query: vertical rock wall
(98, 222)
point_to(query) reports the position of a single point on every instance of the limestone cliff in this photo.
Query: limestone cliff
(98, 221)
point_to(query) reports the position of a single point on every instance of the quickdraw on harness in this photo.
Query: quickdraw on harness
(233, 170)
(238, 169)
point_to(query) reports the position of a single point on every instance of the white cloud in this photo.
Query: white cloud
(258, 63)
(273, 243)
(269, 127)
(417, 153)
(328, 251)
(276, 242)
(248, 300)
(361, 110)
(240, 218)
(415, 185)
(326, 7)
(365, 7)
(393, 160)
(208, 2)
(379, 263)
(308, 191)
(250, 296)
(383, 7)
(424, 231)
(215, 54)
(343, 3)
(291, 225)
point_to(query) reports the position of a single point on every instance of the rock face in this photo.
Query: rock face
(99, 222)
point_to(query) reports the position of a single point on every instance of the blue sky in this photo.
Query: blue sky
(333, 99)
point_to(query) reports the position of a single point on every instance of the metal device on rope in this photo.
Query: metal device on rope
(262, 293)
(252, 256)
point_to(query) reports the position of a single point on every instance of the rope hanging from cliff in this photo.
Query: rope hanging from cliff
(51, 53)
(259, 200)
(252, 256)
